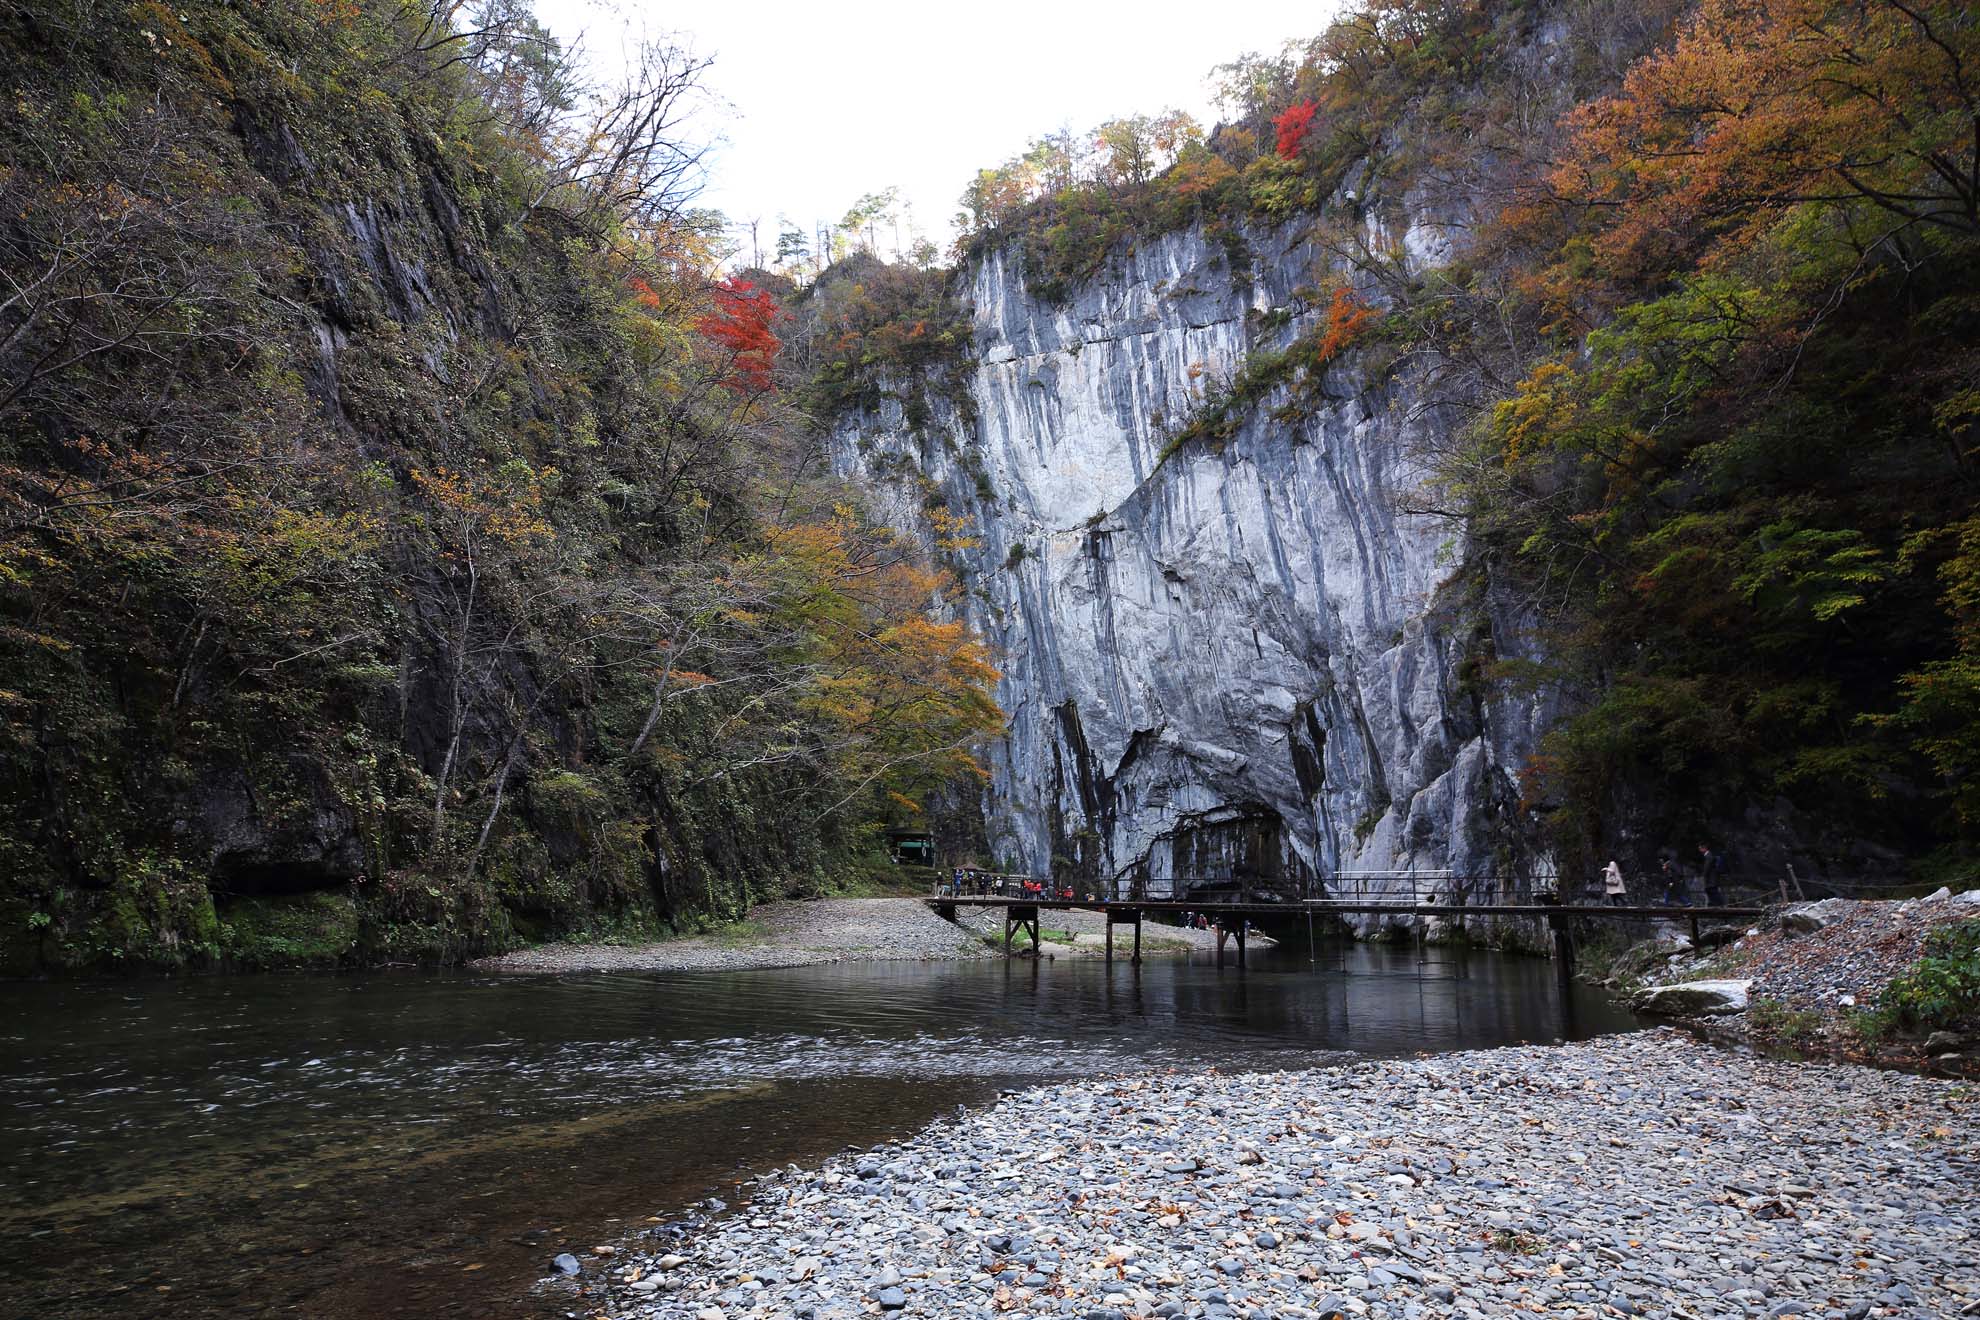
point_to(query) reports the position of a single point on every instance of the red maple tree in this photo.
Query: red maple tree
(741, 324)
(1293, 123)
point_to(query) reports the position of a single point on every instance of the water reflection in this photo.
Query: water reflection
(421, 1144)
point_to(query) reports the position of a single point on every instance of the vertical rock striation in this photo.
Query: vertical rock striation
(1242, 658)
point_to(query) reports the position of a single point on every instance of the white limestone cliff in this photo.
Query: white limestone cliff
(1247, 659)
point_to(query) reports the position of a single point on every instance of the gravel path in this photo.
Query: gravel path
(1645, 1174)
(790, 934)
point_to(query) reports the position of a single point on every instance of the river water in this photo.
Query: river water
(421, 1144)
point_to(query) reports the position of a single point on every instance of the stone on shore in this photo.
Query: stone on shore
(1807, 918)
(1820, 989)
(1694, 999)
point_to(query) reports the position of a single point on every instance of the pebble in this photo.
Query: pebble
(1710, 1184)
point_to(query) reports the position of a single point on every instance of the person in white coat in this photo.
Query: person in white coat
(1612, 884)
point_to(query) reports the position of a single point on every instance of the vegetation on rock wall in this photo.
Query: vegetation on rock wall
(407, 545)
(1707, 326)
(1738, 466)
(1318, 125)
(865, 323)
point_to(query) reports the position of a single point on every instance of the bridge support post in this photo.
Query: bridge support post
(1224, 932)
(1120, 917)
(1021, 917)
(1563, 950)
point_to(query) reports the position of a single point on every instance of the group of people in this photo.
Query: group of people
(1711, 875)
(966, 882)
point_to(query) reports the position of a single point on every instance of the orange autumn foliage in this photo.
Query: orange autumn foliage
(897, 699)
(1347, 317)
(509, 511)
(1762, 105)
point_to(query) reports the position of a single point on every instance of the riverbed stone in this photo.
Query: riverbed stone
(1694, 999)
(1064, 1206)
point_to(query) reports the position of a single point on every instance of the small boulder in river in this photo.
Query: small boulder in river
(566, 1263)
(1694, 999)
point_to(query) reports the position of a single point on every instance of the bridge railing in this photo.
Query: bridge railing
(1402, 888)
(1405, 889)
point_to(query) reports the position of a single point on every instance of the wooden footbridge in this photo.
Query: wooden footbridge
(1233, 906)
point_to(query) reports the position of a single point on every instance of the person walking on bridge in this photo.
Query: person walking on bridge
(1712, 865)
(1612, 883)
(1674, 895)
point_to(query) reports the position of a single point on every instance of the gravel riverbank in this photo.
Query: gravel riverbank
(1838, 953)
(1645, 1174)
(789, 934)
(828, 930)
(1807, 976)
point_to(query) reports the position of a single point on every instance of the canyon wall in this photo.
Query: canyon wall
(1243, 658)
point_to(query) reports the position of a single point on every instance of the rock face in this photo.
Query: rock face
(1237, 659)
(1694, 999)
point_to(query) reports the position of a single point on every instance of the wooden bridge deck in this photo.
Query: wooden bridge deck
(1021, 913)
(1351, 906)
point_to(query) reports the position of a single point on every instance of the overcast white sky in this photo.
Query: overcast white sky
(829, 102)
